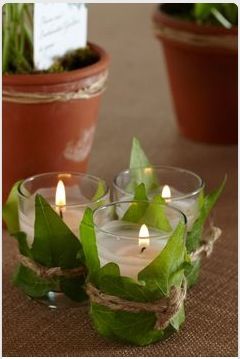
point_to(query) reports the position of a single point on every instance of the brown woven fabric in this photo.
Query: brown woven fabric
(137, 103)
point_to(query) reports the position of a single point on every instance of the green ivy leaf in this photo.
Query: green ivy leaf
(10, 210)
(139, 160)
(135, 328)
(167, 262)
(88, 240)
(74, 288)
(150, 213)
(136, 211)
(178, 319)
(22, 244)
(31, 284)
(100, 191)
(54, 243)
(127, 288)
(207, 203)
(155, 216)
(192, 273)
(138, 157)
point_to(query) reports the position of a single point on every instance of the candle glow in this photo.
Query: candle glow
(166, 192)
(60, 197)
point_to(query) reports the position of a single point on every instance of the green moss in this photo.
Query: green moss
(74, 60)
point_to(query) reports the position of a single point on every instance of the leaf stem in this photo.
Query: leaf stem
(220, 18)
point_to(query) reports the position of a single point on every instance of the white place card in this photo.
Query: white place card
(58, 28)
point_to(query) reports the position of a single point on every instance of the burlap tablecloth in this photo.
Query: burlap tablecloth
(137, 102)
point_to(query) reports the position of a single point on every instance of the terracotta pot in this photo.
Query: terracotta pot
(41, 136)
(202, 68)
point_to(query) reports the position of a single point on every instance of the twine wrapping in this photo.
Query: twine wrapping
(207, 243)
(45, 272)
(95, 89)
(198, 40)
(164, 308)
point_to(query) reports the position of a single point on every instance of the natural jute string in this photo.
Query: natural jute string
(164, 308)
(223, 41)
(45, 272)
(95, 89)
(207, 243)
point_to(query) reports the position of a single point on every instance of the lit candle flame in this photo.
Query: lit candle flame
(143, 238)
(166, 192)
(60, 198)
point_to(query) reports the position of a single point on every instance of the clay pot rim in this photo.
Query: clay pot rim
(161, 17)
(63, 77)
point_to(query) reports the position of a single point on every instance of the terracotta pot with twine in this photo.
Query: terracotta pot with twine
(202, 67)
(49, 120)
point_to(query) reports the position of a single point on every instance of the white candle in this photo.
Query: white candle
(71, 215)
(122, 243)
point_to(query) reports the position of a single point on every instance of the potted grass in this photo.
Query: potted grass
(200, 48)
(49, 117)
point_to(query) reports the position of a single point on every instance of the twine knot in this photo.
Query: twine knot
(208, 241)
(164, 308)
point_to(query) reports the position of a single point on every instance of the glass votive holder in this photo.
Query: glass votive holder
(64, 285)
(81, 190)
(121, 241)
(179, 187)
(140, 287)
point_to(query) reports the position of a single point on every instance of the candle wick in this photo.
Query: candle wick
(61, 213)
(143, 249)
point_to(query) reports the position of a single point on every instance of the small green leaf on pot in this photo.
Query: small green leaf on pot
(10, 210)
(208, 202)
(31, 284)
(203, 10)
(167, 262)
(88, 240)
(54, 243)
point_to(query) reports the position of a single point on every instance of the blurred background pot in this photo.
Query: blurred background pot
(202, 67)
(49, 120)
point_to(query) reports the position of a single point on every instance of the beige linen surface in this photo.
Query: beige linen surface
(137, 102)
